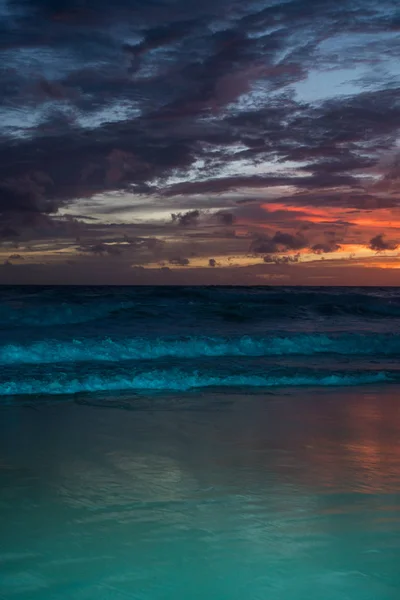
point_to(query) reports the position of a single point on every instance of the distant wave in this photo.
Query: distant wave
(114, 350)
(52, 307)
(177, 380)
(21, 314)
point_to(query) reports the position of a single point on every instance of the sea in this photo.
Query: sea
(213, 443)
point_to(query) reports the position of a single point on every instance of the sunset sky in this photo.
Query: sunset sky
(183, 142)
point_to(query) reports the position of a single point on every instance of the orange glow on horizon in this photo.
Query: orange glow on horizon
(390, 219)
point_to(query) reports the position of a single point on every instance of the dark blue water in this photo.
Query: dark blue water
(74, 340)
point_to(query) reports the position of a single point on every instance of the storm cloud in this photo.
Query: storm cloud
(134, 111)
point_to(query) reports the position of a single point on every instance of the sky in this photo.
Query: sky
(213, 142)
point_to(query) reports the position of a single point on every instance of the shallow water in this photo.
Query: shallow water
(289, 495)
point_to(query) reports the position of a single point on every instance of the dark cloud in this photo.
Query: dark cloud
(193, 218)
(390, 183)
(180, 261)
(169, 99)
(196, 68)
(8, 232)
(102, 249)
(380, 244)
(279, 242)
(223, 184)
(148, 243)
(282, 260)
(225, 218)
(187, 219)
(357, 199)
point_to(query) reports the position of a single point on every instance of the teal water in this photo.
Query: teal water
(58, 341)
(289, 495)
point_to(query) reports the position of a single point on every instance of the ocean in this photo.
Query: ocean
(199, 442)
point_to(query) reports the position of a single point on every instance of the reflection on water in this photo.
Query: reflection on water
(286, 497)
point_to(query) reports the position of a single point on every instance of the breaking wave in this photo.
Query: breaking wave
(107, 349)
(57, 341)
(178, 380)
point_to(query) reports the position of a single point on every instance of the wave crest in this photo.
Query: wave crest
(177, 380)
(107, 349)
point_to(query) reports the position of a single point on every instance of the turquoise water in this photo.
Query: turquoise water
(74, 340)
(287, 495)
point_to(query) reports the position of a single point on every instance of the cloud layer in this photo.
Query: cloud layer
(264, 128)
